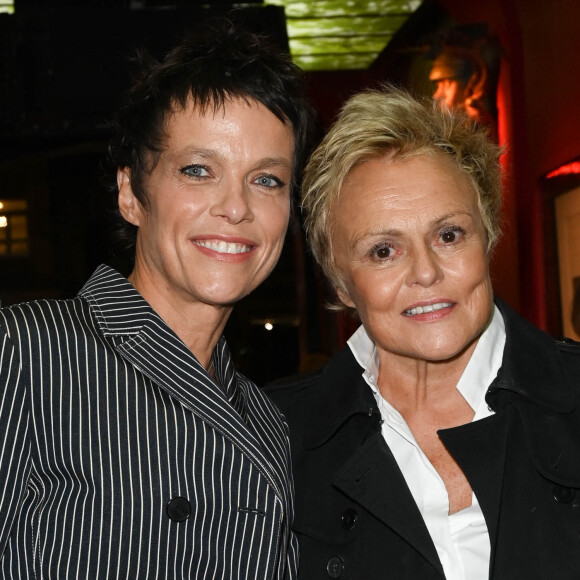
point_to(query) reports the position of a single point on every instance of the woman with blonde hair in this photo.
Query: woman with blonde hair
(444, 440)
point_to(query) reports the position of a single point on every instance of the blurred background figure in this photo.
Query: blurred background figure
(465, 71)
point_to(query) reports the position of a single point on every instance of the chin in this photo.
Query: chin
(441, 353)
(453, 351)
(224, 301)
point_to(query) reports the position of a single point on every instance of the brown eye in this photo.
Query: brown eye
(382, 252)
(449, 237)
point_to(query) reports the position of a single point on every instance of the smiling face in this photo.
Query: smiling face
(409, 242)
(218, 206)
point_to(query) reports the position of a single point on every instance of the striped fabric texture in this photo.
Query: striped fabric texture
(111, 433)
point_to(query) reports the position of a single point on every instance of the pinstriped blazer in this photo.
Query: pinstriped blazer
(105, 419)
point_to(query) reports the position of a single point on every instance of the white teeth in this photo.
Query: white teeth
(223, 247)
(427, 308)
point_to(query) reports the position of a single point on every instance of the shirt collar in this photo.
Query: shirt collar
(484, 363)
(365, 354)
(480, 371)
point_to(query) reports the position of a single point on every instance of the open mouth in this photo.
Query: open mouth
(427, 308)
(223, 247)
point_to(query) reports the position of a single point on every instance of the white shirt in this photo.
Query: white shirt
(461, 539)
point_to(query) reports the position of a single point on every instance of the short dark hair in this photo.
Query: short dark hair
(215, 62)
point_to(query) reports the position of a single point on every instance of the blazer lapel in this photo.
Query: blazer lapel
(372, 478)
(153, 348)
(369, 475)
(480, 450)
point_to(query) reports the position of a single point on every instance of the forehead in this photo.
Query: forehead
(236, 116)
(391, 188)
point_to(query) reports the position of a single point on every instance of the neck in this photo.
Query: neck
(415, 386)
(197, 324)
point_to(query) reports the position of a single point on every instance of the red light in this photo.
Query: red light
(569, 168)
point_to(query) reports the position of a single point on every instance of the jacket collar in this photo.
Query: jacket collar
(333, 406)
(533, 380)
(343, 393)
(532, 366)
(152, 347)
(118, 308)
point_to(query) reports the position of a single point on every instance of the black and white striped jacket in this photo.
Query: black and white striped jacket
(121, 458)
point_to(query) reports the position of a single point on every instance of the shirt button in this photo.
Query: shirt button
(564, 494)
(178, 509)
(335, 567)
(348, 519)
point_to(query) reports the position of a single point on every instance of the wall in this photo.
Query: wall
(539, 89)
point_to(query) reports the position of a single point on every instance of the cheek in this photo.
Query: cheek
(478, 267)
(477, 285)
(371, 290)
(275, 220)
(468, 267)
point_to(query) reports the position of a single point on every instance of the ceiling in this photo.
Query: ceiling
(342, 34)
(326, 34)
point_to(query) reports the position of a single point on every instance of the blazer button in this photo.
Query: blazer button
(335, 567)
(178, 509)
(348, 519)
(564, 494)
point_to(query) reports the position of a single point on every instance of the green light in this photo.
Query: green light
(342, 34)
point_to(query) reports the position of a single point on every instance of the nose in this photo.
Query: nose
(424, 267)
(231, 203)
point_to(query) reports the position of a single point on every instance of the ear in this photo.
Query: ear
(129, 205)
(344, 297)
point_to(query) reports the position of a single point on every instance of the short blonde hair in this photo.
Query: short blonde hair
(390, 120)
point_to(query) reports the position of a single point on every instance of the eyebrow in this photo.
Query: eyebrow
(451, 215)
(397, 233)
(273, 161)
(212, 154)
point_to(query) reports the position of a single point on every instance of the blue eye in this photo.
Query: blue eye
(195, 171)
(269, 181)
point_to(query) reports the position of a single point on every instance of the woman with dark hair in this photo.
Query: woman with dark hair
(129, 445)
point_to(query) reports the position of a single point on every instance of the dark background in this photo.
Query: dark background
(63, 70)
(64, 65)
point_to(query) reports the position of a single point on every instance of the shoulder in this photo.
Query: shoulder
(569, 350)
(294, 386)
(294, 383)
(256, 396)
(36, 308)
(35, 320)
(26, 312)
(566, 344)
(336, 380)
(293, 394)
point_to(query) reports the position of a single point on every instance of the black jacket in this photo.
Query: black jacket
(355, 516)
